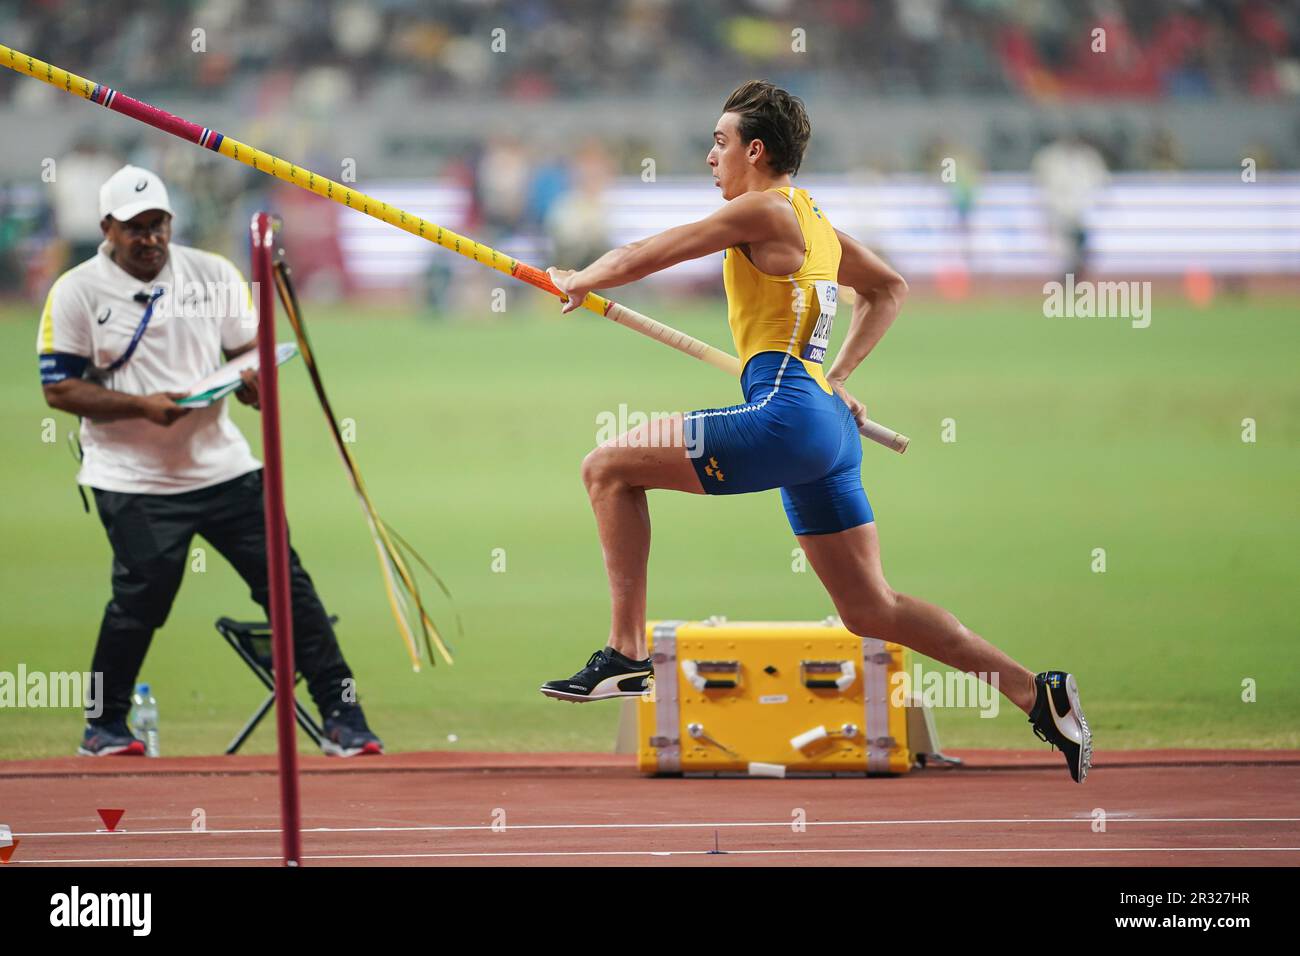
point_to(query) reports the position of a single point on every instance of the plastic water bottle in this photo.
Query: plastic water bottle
(144, 719)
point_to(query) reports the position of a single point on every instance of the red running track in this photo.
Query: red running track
(1138, 808)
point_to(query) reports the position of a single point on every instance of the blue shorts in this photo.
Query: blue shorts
(789, 434)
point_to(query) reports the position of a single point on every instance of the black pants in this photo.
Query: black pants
(151, 536)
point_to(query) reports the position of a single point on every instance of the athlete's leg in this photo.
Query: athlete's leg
(848, 563)
(617, 476)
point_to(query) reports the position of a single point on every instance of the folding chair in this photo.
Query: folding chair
(251, 640)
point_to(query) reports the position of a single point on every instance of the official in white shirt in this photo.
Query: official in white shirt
(122, 336)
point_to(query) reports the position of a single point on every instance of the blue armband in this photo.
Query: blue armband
(56, 366)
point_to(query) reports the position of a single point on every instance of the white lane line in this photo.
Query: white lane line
(1110, 819)
(598, 853)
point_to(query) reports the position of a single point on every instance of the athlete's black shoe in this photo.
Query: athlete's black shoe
(607, 674)
(110, 740)
(1058, 719)
(348, 735)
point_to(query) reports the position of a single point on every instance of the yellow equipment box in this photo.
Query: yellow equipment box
(767, 698)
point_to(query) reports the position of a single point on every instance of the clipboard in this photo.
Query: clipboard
(216, 385)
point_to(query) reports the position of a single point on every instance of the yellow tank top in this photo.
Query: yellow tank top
(787, 313)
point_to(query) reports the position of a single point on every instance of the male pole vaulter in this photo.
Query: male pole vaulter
(797, 429)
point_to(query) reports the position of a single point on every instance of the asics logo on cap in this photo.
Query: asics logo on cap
(130, 191)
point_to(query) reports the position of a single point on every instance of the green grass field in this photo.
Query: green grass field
(1072, 434)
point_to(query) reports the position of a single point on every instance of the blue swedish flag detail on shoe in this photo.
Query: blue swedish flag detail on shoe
(1057, 719)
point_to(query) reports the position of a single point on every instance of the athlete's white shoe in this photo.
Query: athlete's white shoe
(1058, 719)
(608, 674)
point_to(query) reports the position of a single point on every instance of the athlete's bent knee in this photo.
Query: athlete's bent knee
(597, 468)
(872, 614)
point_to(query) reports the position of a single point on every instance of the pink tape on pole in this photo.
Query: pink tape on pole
(159, 119)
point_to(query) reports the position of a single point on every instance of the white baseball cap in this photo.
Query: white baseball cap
(130, 191)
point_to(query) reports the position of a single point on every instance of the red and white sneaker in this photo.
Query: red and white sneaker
(348, 735)
(110, 740)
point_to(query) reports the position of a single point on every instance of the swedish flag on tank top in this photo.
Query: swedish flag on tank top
(787, 313)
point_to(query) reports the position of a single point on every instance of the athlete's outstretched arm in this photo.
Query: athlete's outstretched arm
(751, 217)
(880, 291)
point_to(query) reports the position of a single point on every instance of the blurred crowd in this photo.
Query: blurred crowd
(51, 223)
(575, 48)
(512, 188)
(258, 54)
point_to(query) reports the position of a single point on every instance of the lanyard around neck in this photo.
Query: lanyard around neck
(139, 331)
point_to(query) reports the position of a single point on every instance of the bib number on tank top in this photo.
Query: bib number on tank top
(828, 294)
